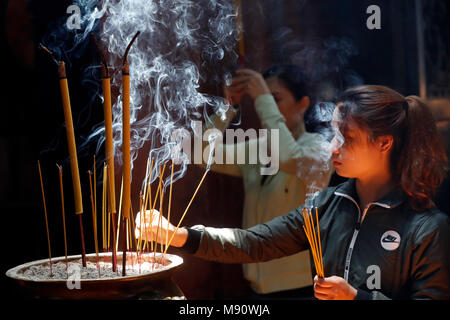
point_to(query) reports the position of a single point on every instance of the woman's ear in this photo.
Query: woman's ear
(303, 104)
(385, 143)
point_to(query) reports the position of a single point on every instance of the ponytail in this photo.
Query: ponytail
(422, 161)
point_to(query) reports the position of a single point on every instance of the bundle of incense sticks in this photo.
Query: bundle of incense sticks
(313, 235)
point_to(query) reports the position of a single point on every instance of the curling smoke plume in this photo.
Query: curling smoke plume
(182, 44)
(327, 65)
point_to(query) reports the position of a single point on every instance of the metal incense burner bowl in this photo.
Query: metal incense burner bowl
(155, 284)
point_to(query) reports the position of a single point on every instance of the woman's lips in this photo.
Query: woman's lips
(336, 163)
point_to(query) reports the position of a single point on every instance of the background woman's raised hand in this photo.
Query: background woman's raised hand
(248, 82)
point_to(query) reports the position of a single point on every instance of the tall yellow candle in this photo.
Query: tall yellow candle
(70, 138)
(126, 141)
(126, 149)
(109, 146)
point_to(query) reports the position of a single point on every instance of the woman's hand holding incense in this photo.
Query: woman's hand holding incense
(156, 227)
(333, 288)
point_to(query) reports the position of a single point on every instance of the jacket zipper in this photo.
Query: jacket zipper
(348, 256)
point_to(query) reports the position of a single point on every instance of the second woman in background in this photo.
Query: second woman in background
(281, 99)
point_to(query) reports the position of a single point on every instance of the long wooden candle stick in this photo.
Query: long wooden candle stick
(126, 156)
(46, 221)
(109, 147)
(72, 151)
(126, 148)
(70, 138)
(61, 188)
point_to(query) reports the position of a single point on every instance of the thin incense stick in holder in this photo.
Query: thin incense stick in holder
(63, 211)
(186, 210)
(46, 221)
(94, 220)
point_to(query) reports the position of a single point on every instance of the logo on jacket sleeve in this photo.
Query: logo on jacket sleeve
(390, 240)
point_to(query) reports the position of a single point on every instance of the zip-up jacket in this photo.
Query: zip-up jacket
(386, 250)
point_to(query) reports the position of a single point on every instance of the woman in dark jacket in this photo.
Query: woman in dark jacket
(382, 236)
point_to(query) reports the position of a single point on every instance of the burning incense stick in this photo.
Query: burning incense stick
(126, 143)
(126, 147)
(109, 144)
(186, 210)
(63, 213)
(70, 138)
(126, 157)
(72, 151)
(46, 221)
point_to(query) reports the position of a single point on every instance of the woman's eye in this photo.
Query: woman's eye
(348, 140)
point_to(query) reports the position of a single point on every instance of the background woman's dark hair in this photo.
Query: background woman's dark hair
(297, 82)
(418, 159)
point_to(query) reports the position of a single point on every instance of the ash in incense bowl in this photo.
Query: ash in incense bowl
(147, 275)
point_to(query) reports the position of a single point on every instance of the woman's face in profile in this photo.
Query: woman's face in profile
(352, 153)
(289, 107)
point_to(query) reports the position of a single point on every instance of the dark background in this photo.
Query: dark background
(329, 38)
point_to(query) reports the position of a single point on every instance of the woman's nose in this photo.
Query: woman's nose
(335, 146)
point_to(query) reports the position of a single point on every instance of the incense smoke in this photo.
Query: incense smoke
(182, 44)
(327, 65)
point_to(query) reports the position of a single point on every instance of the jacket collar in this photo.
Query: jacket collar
(391, 200)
